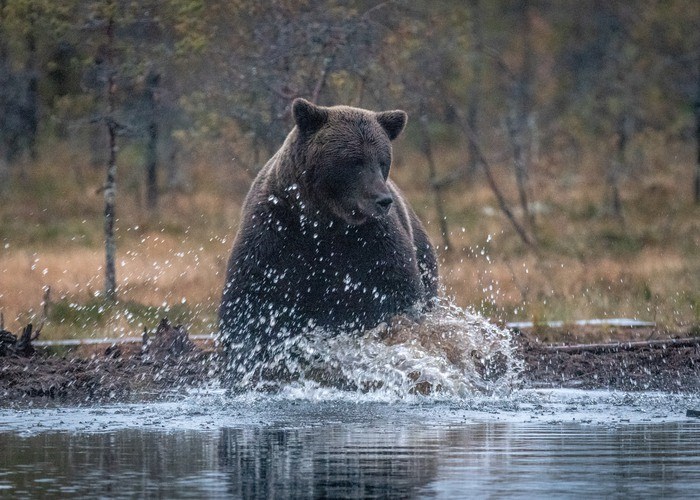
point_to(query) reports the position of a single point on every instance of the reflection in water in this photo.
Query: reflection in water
(331, 462)
(358, 460)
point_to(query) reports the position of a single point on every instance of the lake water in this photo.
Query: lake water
(311, 444)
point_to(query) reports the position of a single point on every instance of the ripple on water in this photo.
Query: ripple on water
(214, 409)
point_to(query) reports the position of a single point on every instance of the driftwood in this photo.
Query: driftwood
(11, 345)
(93, 372)
(624, 346)
(168, 340)
(22, 346)
(7, 342)
(666, 365)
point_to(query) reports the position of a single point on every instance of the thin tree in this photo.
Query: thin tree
(4, 84)
(477, 66)
(30, 109)
(152, 82)
(520, 229)
(519, 118)
(427, 149)
(110, 187)
(502, 203)
(618, 164)
(697, 138)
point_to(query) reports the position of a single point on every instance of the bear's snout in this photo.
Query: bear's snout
(384, 202)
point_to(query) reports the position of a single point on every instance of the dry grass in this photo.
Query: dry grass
(588, 264)
(172, 263)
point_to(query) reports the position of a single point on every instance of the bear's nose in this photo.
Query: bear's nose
(384, 202)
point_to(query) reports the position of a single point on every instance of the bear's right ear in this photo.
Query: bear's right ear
(308, 117)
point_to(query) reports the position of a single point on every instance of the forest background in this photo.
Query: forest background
(553, 148)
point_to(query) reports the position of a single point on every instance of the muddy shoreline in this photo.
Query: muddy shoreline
(663, 363)
(127, 372)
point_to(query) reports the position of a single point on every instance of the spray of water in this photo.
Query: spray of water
(448, 353)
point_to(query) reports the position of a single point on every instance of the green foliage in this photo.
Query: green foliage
(52, 231)
(189, 23)
(96, 313)
(619, 242)
(241, 63)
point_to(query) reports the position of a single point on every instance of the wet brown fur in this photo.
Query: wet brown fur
(315, 246)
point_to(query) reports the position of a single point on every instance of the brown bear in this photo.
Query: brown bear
(326, 239)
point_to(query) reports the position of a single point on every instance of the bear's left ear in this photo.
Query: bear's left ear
(392, 122)
(308, 117)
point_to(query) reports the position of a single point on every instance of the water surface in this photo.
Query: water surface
(556, 442)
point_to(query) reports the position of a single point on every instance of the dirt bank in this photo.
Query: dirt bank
(166, 361)
(669, 362)
(119, 374)
(129, 372)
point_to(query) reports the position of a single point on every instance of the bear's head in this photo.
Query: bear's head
(343, 156)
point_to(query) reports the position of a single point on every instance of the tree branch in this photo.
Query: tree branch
(502, 203)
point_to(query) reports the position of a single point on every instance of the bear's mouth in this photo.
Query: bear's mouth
(359, 216)
(356, 214)
(356, 217)
(353, 216)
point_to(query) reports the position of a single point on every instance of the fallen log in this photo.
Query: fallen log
(8, 340)
(624, 346)
(168, 340)
(22, 346)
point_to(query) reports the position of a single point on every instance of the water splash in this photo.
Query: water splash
(448, 353)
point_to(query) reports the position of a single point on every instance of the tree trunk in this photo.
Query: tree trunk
(316, 93)
(614, 202)
(618, 165)
(109, 213)
(4, 170)
(31, 99)
(502, 203)
(477, 33)
(697, 140)
(5, 81)
(515, 131)
(152, 81)
(432, 170)
(521, 120)
(110, 183)
(4, 84)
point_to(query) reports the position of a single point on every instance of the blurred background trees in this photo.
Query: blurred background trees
(529, 100)
(531, 79)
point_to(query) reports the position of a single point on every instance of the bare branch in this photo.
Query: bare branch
(502, 203)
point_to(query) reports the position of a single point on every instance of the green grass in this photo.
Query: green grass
(70, 318)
